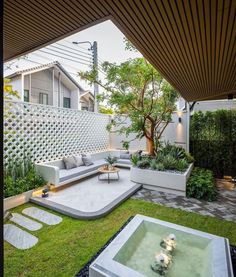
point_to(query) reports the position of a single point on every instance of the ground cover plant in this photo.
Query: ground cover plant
(20, 176)
(168, 157)
(201, 184)
(65, 248)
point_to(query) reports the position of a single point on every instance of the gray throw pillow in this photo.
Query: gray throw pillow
(78, 160)
(69, 162)
(87, 159)
(125, 156)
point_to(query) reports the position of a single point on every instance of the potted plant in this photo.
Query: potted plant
(111, 160)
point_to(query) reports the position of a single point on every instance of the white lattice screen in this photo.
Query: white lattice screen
(45, 133)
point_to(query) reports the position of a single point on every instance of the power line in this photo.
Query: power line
(66, 64)
(88, 56)
(63, 53)
(86, 53)
(89, 64)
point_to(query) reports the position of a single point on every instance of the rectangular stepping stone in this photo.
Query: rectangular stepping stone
(43, 216)
(25, 222)
(18, 237)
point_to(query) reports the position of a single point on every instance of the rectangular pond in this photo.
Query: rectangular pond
(133, 252)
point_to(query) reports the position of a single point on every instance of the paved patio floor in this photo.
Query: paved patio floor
(223, 208)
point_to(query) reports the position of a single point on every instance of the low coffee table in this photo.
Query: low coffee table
(102, 170)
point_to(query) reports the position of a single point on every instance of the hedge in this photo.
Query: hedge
(213, 141)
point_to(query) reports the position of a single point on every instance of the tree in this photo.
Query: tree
(136, 89)
(9, 93)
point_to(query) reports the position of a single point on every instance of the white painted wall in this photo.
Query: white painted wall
(41, 82)
(214, 105)
(175, 133)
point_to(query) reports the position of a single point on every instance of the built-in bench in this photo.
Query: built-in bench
(55, 173)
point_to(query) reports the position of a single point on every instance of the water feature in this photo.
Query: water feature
(145, 243)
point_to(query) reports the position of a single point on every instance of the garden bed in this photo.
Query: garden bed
(165, 181)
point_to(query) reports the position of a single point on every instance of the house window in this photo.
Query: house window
(43, 98)
(26, 95)
(84, 108)
(66, 102)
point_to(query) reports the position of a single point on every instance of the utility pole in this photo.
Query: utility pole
(95, 65)
(94, 49)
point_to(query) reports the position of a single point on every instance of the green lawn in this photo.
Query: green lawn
(63, 249)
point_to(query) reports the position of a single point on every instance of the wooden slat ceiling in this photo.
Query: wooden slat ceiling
(191, 42)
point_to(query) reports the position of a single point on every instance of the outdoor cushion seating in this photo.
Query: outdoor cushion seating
(65, 174)
(55, 172)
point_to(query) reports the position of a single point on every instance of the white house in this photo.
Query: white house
(51, 84)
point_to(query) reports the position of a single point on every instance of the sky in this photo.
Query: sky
(111, 47)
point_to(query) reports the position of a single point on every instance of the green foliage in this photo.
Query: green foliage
(143, 163)
(134, 159)
(213, 141)
(169, 157)
(181, 165)
(125, 145)
(111, 159)
(20, 176)
(9, 93)
(105, 110)
(201, 185)
(136, 89)
(160, 166)
(170, 162)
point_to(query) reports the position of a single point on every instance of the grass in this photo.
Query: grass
(64, 248)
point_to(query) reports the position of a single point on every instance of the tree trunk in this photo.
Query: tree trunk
(151, 146)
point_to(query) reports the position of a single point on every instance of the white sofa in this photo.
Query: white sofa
(54, 172)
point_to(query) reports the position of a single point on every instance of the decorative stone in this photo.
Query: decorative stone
(18, 237)
(43, 216)
(26, 222)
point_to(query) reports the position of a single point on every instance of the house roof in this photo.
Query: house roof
(191, 43)
(87, 93)
(43, 67)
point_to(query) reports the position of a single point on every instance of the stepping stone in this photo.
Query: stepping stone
(43, 216)
(18, 238)
(25, 222)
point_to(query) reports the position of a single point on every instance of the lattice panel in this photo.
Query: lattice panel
(45, 133)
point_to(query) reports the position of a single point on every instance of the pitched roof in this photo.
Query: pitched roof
(43, 67)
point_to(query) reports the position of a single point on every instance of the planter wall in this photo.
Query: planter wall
(164, 181)
(17, 200)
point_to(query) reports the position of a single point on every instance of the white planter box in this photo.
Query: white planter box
(164, 181)
(17, 200)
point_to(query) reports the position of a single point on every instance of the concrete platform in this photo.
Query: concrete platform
(90, 198)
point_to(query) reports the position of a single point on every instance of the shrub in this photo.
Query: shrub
(20, 176)
(201, 185)
(134, 159)
(213, 141)
(181, 165)
(169, 162)
(144, 163)
(160, 167)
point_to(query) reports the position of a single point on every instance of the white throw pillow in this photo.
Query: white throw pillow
(78, 160)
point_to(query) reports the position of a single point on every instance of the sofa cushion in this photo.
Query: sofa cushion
(69, 162)
(123, 161)
(125, 156)
(87, 159)
(78, 160)
(65, 175)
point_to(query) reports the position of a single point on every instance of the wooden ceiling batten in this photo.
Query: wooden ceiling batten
(191, 42)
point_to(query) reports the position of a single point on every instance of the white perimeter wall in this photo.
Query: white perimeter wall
(175, 133)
